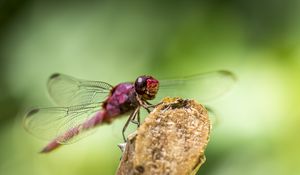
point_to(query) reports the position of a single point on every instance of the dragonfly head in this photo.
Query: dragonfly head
(146, 86)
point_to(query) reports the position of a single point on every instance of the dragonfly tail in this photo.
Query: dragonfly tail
(89, 124)
(50, 147)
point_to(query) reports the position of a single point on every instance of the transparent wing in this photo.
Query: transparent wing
(202, 87)
(50, 123)
(69, 91)
(213, 117)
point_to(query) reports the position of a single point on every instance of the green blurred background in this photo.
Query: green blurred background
(115, 41)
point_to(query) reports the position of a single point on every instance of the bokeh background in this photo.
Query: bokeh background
(114, 41)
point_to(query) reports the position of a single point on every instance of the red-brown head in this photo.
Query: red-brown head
(146, 86)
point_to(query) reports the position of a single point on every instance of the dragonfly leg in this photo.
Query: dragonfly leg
(148, 110)
(139, 118)
(145, 104)
(132, 116)
(138, 121)
(149, 106)
(148, 103)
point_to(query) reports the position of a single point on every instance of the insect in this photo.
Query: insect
(84, 104)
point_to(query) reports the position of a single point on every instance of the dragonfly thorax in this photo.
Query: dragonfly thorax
(146, 87)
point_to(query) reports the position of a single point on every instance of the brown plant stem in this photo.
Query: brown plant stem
(172, 140)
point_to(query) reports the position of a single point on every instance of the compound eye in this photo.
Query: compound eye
(140, 81)
(140, 84)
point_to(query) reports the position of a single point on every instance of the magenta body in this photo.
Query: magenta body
(122, 100)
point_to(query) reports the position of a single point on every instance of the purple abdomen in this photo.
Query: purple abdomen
(122, 100)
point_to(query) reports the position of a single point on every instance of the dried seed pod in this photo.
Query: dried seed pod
(172, 140)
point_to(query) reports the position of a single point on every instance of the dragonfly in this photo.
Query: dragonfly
(82, 105)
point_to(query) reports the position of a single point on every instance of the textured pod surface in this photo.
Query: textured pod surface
(172, 140)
